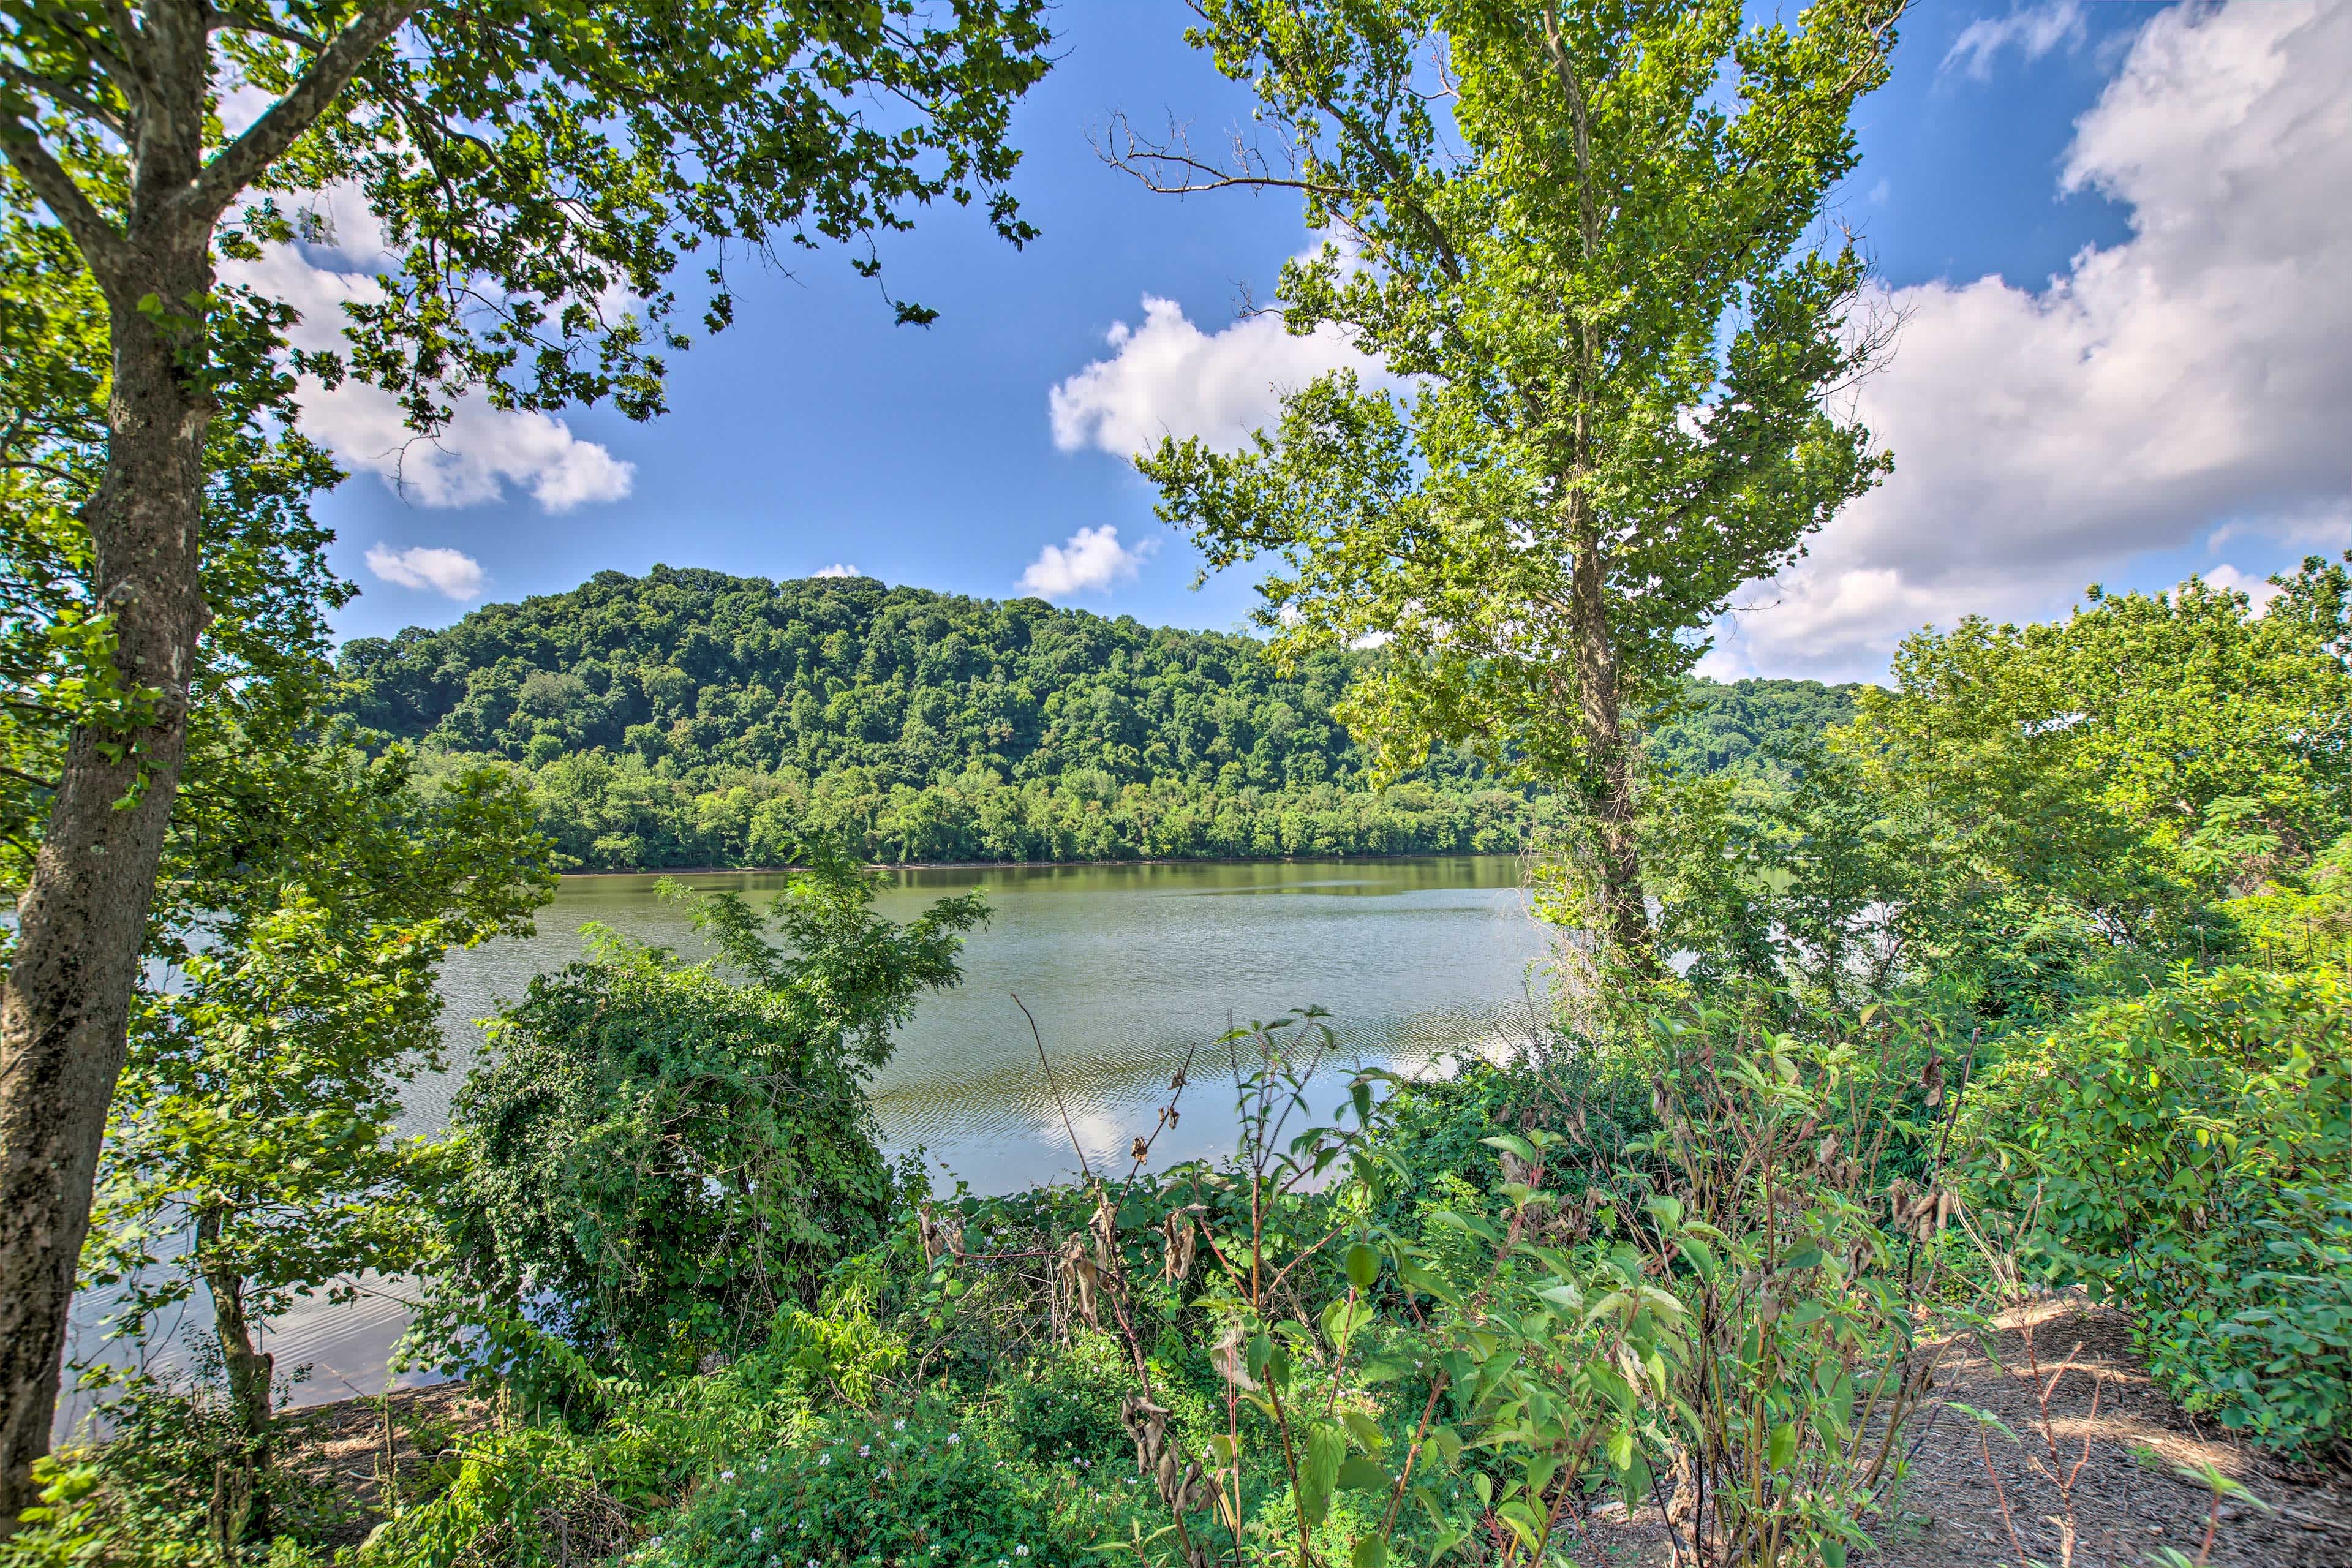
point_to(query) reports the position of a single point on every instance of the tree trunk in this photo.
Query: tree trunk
(250, 1374)
(1624, 904)
(82, 920)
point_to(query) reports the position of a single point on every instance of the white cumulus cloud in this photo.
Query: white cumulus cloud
(838, 569)
(2192, 384)
(482, 451)
(1168, 377)
(1092, 561)
(452, 572)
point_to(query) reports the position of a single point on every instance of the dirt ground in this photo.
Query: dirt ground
(2128, 1500)
(341, 1448)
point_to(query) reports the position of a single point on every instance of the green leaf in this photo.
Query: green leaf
(1417, 1277)
(1318, 1471)
(1469, 1224)
(1364, 1430)
(1524, 1522)
(1448, 1443)
(1512, 1144)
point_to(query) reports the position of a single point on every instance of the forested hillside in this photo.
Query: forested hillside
(692, 717)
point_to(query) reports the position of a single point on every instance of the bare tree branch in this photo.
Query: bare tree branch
(1143, 160)
(245, 159)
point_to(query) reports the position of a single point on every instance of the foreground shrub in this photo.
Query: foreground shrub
(523, 1496)
(659, 1156)
(915, 1490)
(2190, 1153)
(1442, 1328)
(1765, 1199)
(151, 1495)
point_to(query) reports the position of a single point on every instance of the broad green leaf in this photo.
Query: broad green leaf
(1318, 1471)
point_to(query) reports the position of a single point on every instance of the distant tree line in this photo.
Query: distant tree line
(690, 717)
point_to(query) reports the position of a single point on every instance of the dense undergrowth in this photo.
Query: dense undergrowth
(1975, 1001)
(2190, 1153)
(1701, 1273)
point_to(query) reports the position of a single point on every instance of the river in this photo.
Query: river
(1126, 969)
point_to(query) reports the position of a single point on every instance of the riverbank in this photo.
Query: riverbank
(1056, 865)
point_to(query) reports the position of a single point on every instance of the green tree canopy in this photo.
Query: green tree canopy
(688, 717)
(542, 169)
(2033, 815)
(1587, 237)
(2176, 739)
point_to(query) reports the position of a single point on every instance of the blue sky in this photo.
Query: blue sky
(2178, 383)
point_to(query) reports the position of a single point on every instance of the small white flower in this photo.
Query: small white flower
(725, 1474)
(1021, 1551)
(823, 1460)
(954, 1439)
(865, 1451)
(900, 1425)
(758, 1535)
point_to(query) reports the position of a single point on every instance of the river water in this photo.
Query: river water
(1126, 969)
